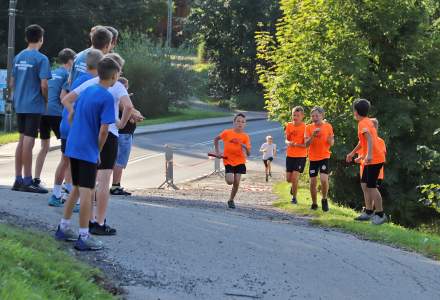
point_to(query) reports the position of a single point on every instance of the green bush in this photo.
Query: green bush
(249, 99)
(157, 82)
(328, 53)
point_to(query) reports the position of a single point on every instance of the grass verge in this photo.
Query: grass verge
(184, 115)
(6, 138)
(342, 218)
(33, 267)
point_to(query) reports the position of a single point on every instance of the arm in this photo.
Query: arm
(127, 108)
(331, 140)
(44, 89)
(350, 155)
(274, 151)
(68, 101)
(369, 156)
(103, 133)
(63, 93)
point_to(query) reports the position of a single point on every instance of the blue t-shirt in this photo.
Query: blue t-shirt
(59, 78)
(64, 125)
(79, 66)
(93, 108)
(29, 68)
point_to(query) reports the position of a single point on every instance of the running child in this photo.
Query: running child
(50, 121)
(29, 83)
(237, 146)
(296, 150)
(92, 115)
(319, 138)
(269, 150)
(63, 170)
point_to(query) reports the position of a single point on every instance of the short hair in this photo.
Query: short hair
(123, 80)
(362, 107)
(239, 115)
(34, 33)
(375, 123)
(318, 109)
(101, 38)
(93, 58)
(65, 55)
(268, 137)
(115, 33)
(107, 67)
(298, 109)
(116, 57)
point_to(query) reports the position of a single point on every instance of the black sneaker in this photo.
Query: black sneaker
(294, 200)
(102, 230)
(267, 177)
(32, 189)
(91, 225)
(37, 183)
(231, 204)
(324, 204)
(119, 191)
(17, 185)
(314, 206)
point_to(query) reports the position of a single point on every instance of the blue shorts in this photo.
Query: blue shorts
(125, 141)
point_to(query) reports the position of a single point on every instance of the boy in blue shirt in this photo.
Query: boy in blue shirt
(63, 171)
(29, 83)
(94, 111)
(101, 39)
(51, 119)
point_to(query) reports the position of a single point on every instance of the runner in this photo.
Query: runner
(269, 150)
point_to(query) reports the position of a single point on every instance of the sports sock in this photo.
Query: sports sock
(19, 179)
(379, 213)
(68, 187)
(57, 190)
(27, 180)
(64, 224)
(84, 233)
(369, 211)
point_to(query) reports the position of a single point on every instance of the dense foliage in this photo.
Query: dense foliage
(328, 52)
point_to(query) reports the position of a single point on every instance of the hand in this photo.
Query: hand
(70, 117)
(368, 159)
(329, 140)
(358, 160)
(349, 157)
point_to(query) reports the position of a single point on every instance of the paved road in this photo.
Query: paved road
(146, 167)
(178, 252)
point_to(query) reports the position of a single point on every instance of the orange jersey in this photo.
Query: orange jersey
(295, 133)
(382, 146)
(233, 150)
(378, 151)
(319, 149)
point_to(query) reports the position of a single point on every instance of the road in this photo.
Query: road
(146, 167)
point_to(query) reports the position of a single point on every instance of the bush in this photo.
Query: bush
(157, 82)
(249, 99)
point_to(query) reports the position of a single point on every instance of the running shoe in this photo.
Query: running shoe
(17, 185)
(377, 220)
(267, 177)
(37, 183)
(294, 200)
(66, 235)
(231, 204)
(119, 191)
(364, 216)
(97, 229)
(55, 202)
(324, 204)
(314, 206)
(31, 188)
(88, 244)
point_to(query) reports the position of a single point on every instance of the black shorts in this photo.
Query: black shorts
(238, 169)
(109, 153)
(265, 160)
(83, 173)
(63, 145)
(319, 166)
(371, 174)
(48, 124)
(295, 164)
(28, 124)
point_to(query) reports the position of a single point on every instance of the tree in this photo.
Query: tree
(329, 52)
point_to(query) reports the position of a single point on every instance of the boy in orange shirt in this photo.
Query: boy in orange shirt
(237, 146)
(296, 150)
(373, 156)
(319, 138)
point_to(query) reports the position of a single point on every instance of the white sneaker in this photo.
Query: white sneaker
(376, 220)
(364, 217)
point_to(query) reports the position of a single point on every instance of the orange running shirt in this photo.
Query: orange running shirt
(378, 153)
(295, 134)
(319, 149)
(233, 150)
(382, 146)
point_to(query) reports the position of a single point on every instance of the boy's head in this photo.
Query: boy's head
(239, 121)
(317, 114)
(375, 123)
(297, 114)
(124, 81)
(108, 70)
(66, 57)
(34, 35)
(269, 139)
(93, 58)
(101, 39)
(361, 107)
(116, 57)
(115, 35)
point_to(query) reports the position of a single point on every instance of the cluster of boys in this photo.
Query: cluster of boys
(85, 103)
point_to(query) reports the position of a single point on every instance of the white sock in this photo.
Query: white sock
(77, 202)
(84, 233)
(57, 190)
(64, 224)
(68, 187)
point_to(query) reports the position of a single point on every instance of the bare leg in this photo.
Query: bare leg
(19, 157)
(85, 208)
(235, 185)
(28, 145)
(68, 173)
(61, 170)
(102, 194)
(117, 174)
(269, 166)
(229, 177)
(45, 144)
(294, 180)
(314, 189)
(324, 185)
(70, 203)
(368, 199)
(375, 195)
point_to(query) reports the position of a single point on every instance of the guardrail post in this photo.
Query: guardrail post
(169, 169)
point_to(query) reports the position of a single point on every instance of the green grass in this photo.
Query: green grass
(342, 218)
(33, 267)
(6, 138)
(184, 115)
